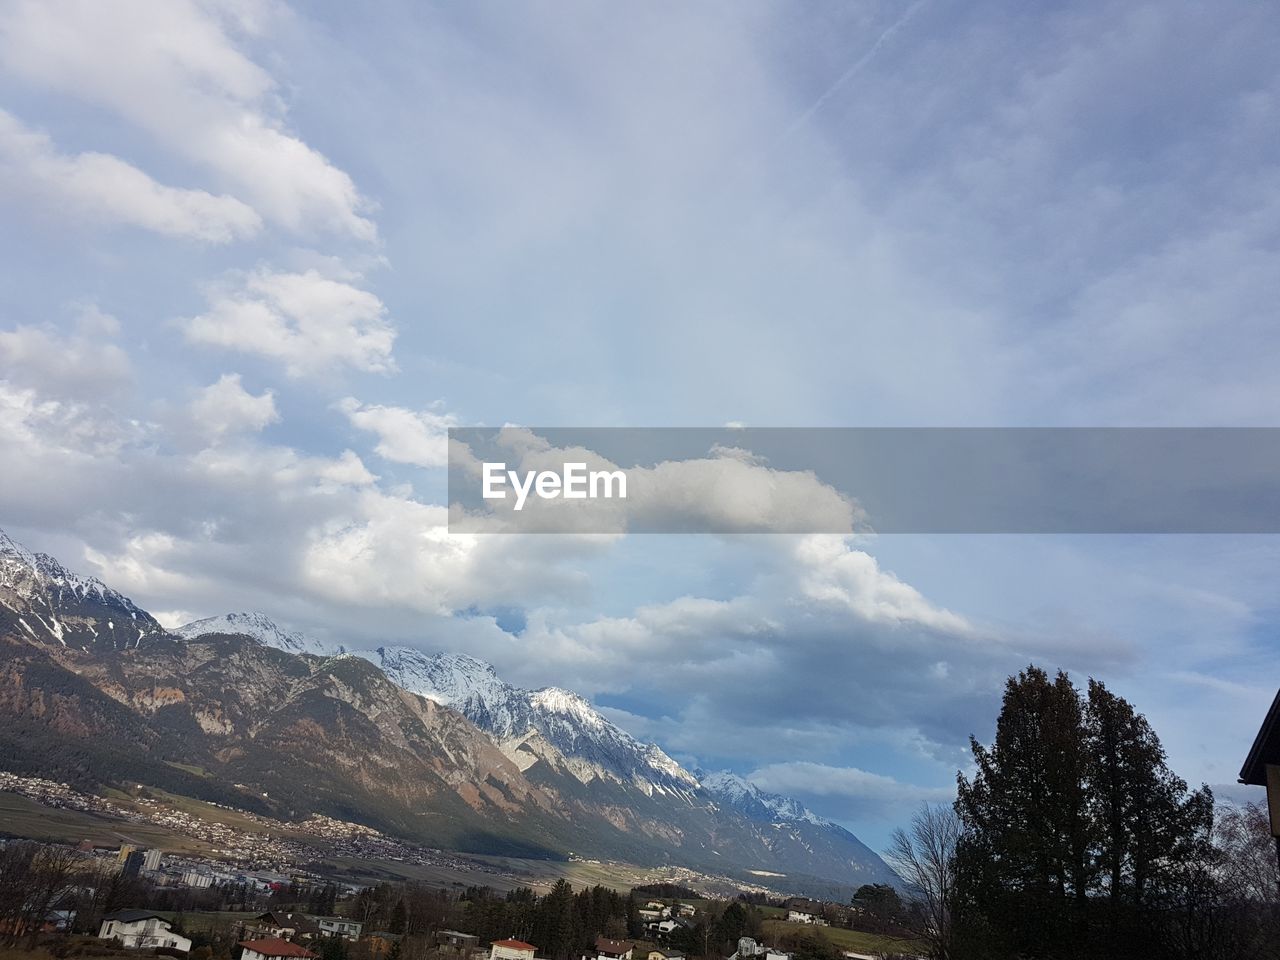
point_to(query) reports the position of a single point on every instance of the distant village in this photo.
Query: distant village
(125, 900)
(265, 849)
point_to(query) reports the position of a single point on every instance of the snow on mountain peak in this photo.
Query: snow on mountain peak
(565, 720)
(18, 564)
(63, 606)
(743, 795)
(261, 628)
(567, 703)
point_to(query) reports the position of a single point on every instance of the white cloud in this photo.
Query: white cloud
(81, 365)
(103, 188)
(419, 437)
(306, 321)
(831, 572)
(226, 407)
(728, 491)
(45, 425)
(281, 471)
(173, 68)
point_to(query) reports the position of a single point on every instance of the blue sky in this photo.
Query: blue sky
(258, 258)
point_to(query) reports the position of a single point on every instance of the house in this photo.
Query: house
(59, 921)
(278, 924)
(55, 921)
(272, 925)
(511, 950)
(804, 916)
(1262, 765)
(654, 910)
(664, 928)
(338, 927)
(457, 939)
(141, 928)
(273, 948)
(748, 949)
(607, 949)
(665, 955)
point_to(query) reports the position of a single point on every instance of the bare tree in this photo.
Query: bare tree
(1249, 867)
(33, 878)
(923, 855)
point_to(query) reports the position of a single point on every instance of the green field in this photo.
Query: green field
(844, 939)
(23, 817)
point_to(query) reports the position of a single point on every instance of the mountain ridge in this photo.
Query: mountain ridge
(433, 747)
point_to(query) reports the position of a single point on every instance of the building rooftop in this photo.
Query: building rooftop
(133, 916)
(619, 947)
(275, 947)
(1265, 749)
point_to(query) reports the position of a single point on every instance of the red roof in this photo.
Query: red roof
(275, 947)
(515, 945)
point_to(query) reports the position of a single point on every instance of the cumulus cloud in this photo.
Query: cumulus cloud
(728, 491)
(83, 365)
(306, 321)
(174, 69)
(831, 573)
(420, 437)
(189, 528)
(100, 187)
(226, 407)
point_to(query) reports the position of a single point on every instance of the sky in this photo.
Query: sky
(260, 257)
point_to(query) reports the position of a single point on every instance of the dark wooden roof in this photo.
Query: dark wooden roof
(133, 916)
(614, 947)
(1265, 749)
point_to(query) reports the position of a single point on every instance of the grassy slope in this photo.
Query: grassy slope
(854, 940)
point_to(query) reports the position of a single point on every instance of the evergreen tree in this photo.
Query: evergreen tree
(1077, 837)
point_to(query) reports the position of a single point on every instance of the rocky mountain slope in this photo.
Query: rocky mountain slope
(529, 724)
(436, 748)
(48, 603)
(261, 628)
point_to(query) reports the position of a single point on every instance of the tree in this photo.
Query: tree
(554, 923)
(1078, 838)
(1249, 871)
(1024, 857)
(33, 877)
(729, 926)
(879, 904)
(399, 917)
(924, 856)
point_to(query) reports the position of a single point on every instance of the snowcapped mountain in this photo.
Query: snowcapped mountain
(553, 725)
(261, 628)
(748, 799)
(48, 602)
(820, 837)
(500, 768)
(550, 724)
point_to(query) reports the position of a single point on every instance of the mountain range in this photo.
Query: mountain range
(434, 747)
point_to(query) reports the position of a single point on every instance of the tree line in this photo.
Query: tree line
(1072, 837)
